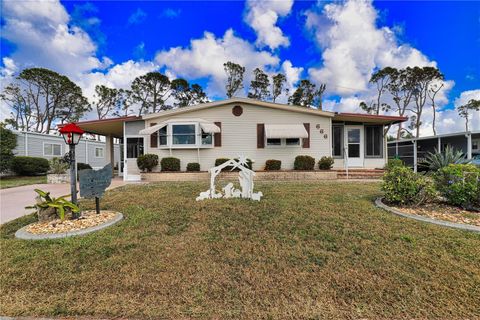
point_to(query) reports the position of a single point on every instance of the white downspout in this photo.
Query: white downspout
(125, 170)
(439, 145)
(26, 143)
(469, 146)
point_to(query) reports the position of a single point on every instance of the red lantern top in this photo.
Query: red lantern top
(71, 133)
(71, 128)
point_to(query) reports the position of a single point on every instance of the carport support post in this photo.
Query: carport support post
(415, 155)
(469, 146)
(109, 150)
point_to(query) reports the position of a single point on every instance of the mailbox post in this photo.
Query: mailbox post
(72, 134)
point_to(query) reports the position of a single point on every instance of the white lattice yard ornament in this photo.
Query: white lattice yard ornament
(245, 178)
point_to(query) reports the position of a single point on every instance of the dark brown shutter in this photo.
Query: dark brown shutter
(217, 136)
(260, 135)
(153, 137)
(306, 141)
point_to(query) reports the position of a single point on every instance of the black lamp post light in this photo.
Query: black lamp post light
(72, 134)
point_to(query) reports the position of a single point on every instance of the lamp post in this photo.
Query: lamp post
(72, 133)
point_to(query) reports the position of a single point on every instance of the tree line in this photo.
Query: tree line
(40, 98)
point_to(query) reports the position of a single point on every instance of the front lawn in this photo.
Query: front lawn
(307, 250)
(17, 181)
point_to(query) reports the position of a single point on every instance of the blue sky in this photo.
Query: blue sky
(339, 43)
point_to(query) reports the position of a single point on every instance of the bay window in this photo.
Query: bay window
(183, 134)
(207, 138)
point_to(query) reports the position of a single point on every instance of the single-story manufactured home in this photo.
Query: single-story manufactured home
(51, 146)
(256, 129)
(414, 150)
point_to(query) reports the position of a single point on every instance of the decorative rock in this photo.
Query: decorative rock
(58, 178)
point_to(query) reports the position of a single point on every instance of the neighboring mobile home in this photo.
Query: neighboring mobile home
(50, 146)
(257, 129)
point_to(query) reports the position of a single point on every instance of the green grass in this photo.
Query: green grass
(307, 250)
(17, 181)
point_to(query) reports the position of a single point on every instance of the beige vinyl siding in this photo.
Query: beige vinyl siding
(239, 136)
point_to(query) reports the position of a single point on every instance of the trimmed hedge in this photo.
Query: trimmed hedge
(170, 164)
(304, 163)
(220, 161)
(83, 166)
(30, 166)
(272, 165)
(325, 163)
(193, 166)
(147, 162)
(395, 162)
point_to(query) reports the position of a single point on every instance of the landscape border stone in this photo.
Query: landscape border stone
(25, 235)
(466, 227)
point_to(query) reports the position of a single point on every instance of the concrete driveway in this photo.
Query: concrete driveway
(14, 200)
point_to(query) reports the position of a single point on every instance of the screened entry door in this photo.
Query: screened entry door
(134, 147)
(354, 145)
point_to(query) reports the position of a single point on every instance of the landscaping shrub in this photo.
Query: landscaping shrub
(460, 185)
(271, 165)
(193, 166)
(83, 166)
(170, 164)
(304, 163)
(392, 163)
(325, 163)
(8, 142)
(220, 161)
(403, 186)
(147, 162)
(58, 166)
(30, 166)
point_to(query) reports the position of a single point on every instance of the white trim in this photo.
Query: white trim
(52, 155)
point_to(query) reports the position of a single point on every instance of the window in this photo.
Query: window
(52, 149)
(98, 152)
(206, 138)
(337, 141)
(475, 144)
(183, 134)
(274, 142)
(162, 136)
(292, 141)
(134, 147)
(373, 141)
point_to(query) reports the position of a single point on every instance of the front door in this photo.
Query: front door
(354, 145)
(133, 148)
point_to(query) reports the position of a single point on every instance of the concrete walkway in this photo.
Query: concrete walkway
(14, 200)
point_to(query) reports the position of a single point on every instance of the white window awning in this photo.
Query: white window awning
(209, 127)
(153, 129)
(279, 131)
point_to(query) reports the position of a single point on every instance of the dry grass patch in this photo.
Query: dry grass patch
(307, 250)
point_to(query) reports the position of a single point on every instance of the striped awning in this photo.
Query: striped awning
(278, 131)
(209, 127)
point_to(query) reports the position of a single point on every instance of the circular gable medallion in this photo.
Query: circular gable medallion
(237, 111)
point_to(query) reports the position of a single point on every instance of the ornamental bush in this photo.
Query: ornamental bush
(83, 166)
(272, 165)
(58, 166)
(170, 164)
(193, 166)
(8, 142)
(147, 162)
(403, 186)
(304, 163)
(220, 161)
(325, 163)
(30, 166)
(395, 162)
(459, 184)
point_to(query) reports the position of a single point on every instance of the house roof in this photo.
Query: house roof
(105, 127)
(239, 100)
(368, 118)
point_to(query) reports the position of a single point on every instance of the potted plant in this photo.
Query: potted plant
(58, 171)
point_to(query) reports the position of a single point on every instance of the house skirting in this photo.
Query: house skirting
(232, 176)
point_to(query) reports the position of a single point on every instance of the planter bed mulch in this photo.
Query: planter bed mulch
(87, 219)
(442, 211)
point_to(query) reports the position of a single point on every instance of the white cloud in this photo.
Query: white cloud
(353, 46)
(43, 38)
(262, 16)
(205, 58)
